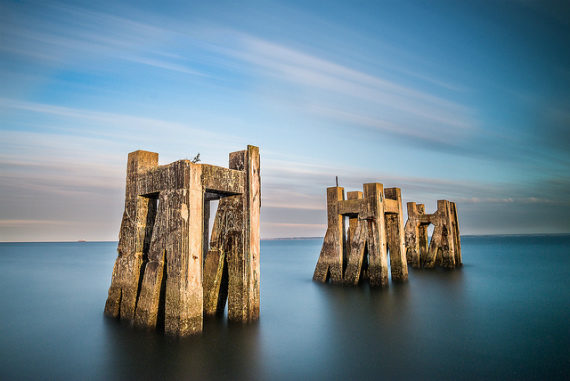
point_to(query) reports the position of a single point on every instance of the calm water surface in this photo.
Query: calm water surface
(504, 315)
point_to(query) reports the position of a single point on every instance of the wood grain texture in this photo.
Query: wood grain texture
(167, 273)
(375, 224)
(394, 219)
(134, 236)
(329, 265)
(445, 246)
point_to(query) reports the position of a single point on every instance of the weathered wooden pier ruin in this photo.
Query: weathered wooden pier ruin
(445, 246)
(375, 226)
(168, 274)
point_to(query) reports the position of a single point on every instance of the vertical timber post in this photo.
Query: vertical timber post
(422, 236)
(456, 236)
(352, 223)
(206, 229)
(133, 236)
(184, 293)
(154, 278)
(448, 235)
(234, 247)
(330, 259)
(215, 273)
(395, 237)
(252, 233)
(378, 262)
(411, 231)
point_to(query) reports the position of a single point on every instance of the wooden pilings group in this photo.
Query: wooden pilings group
(169, 273)
(445, 247)
(375, 226)
(359, 251)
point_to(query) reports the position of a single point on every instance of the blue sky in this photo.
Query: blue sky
(466, 101)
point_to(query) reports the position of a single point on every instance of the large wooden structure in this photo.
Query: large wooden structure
(445, 246)
(375, 226)
(168, 272)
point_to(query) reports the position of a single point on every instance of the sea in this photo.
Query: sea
(504, 315)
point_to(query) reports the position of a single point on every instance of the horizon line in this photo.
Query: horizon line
(314, 237)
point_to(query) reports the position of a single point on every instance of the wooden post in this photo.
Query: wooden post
(133, 236)
(441, 249)
(448, 240)
(184, 293)
(153, 285)
(356, 260)
(376, 242)
(411, 236)
(216, 262)
(330, 259)
(395, 236)
(352, 223)
(252, 207)
(456, 236)
(422, 236)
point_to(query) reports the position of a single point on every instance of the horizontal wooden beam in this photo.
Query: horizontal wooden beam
(222, 180)
(349, 207)
(391, 206)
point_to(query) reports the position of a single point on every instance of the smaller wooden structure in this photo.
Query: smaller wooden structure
(444, 248)
(360, 251)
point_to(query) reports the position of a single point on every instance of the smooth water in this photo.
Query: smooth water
(504, 315)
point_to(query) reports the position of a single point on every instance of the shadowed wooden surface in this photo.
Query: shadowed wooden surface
(445, 246)
(168, 272)
(375, 225)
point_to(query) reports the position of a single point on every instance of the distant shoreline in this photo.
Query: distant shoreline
(305, 238)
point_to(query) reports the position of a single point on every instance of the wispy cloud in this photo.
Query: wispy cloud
(121, 126)
(23, 223)
(71, 34)
(348, 86)
(86, 86)
(283, 224)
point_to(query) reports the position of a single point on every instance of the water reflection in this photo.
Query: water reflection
(223, 351)
(504, 315)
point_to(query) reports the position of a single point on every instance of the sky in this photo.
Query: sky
(462, 100)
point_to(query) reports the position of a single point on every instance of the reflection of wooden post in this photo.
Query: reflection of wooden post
(330, 259)
(133, 237)
(374, 214)
(395, 235)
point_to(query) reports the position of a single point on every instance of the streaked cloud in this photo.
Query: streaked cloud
(83, 85)
(22, 223)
